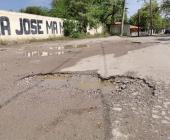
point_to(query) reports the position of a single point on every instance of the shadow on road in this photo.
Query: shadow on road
(163, 39)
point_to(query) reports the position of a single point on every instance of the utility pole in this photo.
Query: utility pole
(123, 18)
(138, 23)
(151, 18)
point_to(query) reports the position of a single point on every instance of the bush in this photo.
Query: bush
(69, 27)
(75, 35)
(36, 10)
(72, 29)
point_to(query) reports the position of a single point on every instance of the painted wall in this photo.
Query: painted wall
(19, 26)
(16, 26)
(94, 31)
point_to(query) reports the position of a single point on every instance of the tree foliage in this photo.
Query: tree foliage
(36, 10)
(60, 8)
(144, 15)
(166, 8)
(88, 12)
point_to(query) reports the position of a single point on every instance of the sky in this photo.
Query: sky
(15, 5)
(133, 6)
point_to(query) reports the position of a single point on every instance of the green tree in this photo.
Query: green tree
(60, 8)
(166, 8)
(110, 10)
(36, 10)
(144, 14)
(88, 12)
(72, 10)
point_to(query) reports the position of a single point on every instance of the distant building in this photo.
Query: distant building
(134, 30)
(115, 29)
(129, 30)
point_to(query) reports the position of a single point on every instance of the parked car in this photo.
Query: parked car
(167, 31)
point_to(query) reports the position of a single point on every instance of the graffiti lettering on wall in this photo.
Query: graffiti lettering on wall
(30, 27)
(5, 26)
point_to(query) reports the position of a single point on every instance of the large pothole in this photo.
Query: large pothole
(125, 85)
(127, 89)
(87, 106)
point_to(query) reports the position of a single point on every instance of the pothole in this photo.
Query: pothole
(121, 102)
(92, 81)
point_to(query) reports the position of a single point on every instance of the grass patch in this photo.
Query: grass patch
(63, 38)
(53, 39)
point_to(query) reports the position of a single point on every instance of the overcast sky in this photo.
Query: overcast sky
(132, 5)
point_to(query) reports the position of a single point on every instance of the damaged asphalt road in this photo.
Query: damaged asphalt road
(97, 89)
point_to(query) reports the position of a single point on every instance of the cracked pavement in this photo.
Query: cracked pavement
(93, 89)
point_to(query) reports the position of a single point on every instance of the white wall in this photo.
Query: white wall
(94, 31)
(34, 26)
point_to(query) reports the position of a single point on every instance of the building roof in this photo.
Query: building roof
(134, 27)
(117, 23)
(131, 26)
